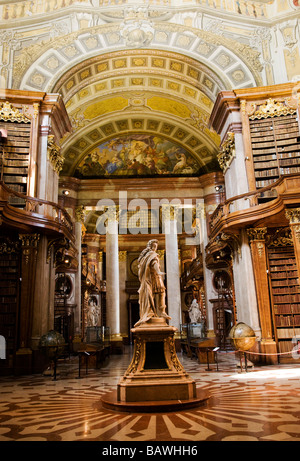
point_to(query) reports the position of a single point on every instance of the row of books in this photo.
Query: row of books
(293, 298)
(7, 319)
(287, 308)
(284, 282)
(285, 333)
(9, 261)
(283, 290)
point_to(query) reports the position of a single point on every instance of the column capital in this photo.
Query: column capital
(257, 233)
(161, 254)
(29, 240)
(80, 213)
(122, 256)
(293, 215)
(170, 211)
(112, 212)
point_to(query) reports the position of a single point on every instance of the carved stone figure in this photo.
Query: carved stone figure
(194, 312)
(152, 292)
(92, 314)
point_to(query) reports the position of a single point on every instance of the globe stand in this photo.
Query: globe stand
(155, 379)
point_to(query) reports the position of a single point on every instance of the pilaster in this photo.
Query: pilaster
(259, 258)
(293, 216)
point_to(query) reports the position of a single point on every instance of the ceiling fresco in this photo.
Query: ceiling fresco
(137, 155)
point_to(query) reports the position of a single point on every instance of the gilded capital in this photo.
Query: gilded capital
(170, 212)
(122, 256)
(257, 233)
(79, 214)
(29, 240)
(112, 212)
(293, 215)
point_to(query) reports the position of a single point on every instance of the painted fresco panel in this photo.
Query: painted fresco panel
(137, 155)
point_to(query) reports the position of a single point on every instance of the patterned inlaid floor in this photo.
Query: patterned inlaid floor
(260, 405)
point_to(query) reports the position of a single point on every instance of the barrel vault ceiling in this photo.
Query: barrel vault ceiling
(161, 94)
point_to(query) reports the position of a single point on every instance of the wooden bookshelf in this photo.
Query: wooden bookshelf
(9, 301)
(285, 293)
(275, 143)
(15, 157)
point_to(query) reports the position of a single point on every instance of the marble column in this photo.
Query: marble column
(79, 229)
(202, 240)
(44, 293)
(112, 276)
(29, 248)
(259, 257)
(123, 294)
(172, 266)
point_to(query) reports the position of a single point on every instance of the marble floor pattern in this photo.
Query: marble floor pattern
(259, 405)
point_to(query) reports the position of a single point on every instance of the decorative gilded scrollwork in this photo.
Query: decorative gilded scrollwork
(9, 247)
(173, 355)
(272, 108)
(136, 357)
(227, 152)
(54, 156)
(9, 113)
(281, 237)
(29, 244)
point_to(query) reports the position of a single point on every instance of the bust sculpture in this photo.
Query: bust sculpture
(152, 292)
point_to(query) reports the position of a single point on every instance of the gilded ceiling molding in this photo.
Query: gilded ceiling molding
(9, 113)
(248, 55)
(30, 54)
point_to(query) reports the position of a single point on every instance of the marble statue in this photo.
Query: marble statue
(92, 314)
(194, 312)
(152, 292)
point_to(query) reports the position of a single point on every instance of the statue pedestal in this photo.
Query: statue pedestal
(155, 378)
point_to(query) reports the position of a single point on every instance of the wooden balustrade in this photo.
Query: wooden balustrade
(279, 187)
(38, 207)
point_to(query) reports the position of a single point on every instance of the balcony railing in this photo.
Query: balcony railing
(37, 208)
(243, 202)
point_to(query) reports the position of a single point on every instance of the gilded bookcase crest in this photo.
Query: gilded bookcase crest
(9, 113)
(272, 108)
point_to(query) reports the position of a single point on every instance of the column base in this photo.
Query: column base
(269, 348)
(23, 362)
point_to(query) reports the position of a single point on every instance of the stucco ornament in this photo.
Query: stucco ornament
(136, 29)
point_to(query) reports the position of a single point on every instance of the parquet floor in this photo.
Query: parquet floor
(259, 405)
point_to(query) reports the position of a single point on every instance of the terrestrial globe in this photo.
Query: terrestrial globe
(52, 344)
(242, 336)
